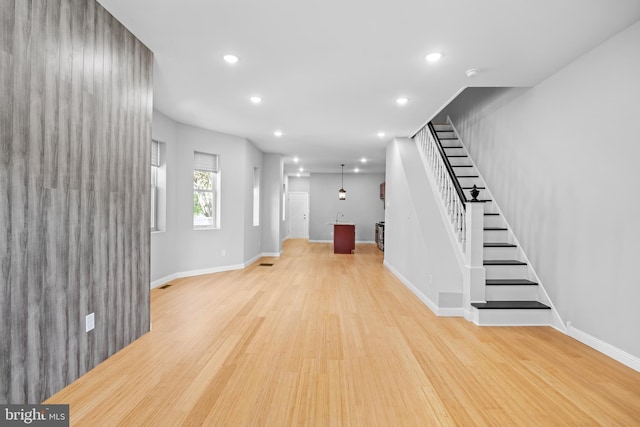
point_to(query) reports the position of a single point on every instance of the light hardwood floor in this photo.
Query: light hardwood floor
(320, 339)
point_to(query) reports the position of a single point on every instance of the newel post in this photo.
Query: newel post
(474, 283)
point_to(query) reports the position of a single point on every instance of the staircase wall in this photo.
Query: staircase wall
(561, 159)
(418, 248)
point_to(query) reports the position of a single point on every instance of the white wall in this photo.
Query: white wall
(561, 160)
(299, 184)
(362, 206)
(253, 234)
(272, 194)
(163, 260)
(417, 247)
(180, 249)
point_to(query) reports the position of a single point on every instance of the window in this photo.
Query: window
(155, 165)
(206, 191)
(256, 196)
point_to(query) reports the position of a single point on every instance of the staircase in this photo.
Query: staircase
(513, 297)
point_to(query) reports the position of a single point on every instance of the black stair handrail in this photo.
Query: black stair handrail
(447, 164)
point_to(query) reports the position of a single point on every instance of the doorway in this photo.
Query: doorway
(299, 215)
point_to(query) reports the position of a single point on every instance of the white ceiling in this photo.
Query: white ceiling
(329, 71)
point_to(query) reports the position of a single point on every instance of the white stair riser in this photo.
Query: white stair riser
(495, 236)
(507, 271)
(457, 161)
(493, 221)
(464, 170)
(514, 317)
(470, 182)
(458, 151)
(443, 127)
(511, 293)
(489, 206)
(445, 133)
(500, 253)
(452, 143)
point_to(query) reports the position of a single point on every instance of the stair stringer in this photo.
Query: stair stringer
(543, 296)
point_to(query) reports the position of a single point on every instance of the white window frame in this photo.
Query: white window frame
(155, 165)
(207, 163)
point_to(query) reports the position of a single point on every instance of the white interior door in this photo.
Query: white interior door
(299, 214)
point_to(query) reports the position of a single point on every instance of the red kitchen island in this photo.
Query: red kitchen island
(344, 238)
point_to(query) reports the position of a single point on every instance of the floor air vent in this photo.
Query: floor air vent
(266, 264)
(164, 287)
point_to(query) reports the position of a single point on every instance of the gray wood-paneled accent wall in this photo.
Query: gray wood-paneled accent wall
(75, 132)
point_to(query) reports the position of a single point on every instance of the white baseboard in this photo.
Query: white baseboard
(432, 306)
(220, 269)
(267, 254)
(163, 280)
(605, 348)
(358, 242)
(210, 270)
(451, 312)
(252, 260)
(438, 311)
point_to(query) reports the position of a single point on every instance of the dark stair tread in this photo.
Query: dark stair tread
(467, 176)
(470, 188)
(495, 228)
(458, 155)
(506, 305)
(507, 282)
(491, 213)
(462, 166)
(500, 245)
(503, 262)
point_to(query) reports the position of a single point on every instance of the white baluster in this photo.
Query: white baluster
(433, 160)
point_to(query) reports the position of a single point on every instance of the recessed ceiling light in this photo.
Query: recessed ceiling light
(363, 160)
(402, 101)
(472, 72)
(231, 59)
(381, 134)
(298, 175)
(295, 160)
(356, 170)
(301, 169)
(434, 57)
(278, 133)
(256, 99)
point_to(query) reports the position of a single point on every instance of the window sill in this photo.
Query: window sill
(205, 228)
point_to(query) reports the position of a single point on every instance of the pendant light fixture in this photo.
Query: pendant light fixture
(342, 194)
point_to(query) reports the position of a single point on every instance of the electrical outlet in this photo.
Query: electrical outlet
(90, 322)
